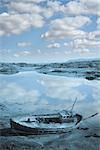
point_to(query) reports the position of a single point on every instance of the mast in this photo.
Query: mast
(74, 104)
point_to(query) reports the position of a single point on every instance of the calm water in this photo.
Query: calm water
(31, 92)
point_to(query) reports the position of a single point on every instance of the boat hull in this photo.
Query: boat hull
(35, 131)
(18, 126)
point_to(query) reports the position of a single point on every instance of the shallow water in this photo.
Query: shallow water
(35, 93)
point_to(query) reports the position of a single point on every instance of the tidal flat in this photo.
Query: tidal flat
(29, 92)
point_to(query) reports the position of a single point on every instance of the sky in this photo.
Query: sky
(41, 31)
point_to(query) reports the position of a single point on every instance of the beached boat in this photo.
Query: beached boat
(63, 121)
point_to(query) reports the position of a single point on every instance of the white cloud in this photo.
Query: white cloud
(84, 43)
(54, 45)
(25, 14)
(26, 53)
(21, 7)
(73, 18)
(82, 7)
(25, 1)
(23, 54)
(17, 23)
(52, 7)
(74, 8)
(23, 44)
(95, 35)
(33, 7)
(93, 6)
(68, 27)
(21, 16)
(32, 1)
(81, 51)
(87, 44)
(91, 2)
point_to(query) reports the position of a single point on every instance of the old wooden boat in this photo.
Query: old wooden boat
(60, 122)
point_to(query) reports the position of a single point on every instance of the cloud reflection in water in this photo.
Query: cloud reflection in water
(30, 91)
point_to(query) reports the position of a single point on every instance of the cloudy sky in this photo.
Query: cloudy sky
(49, 30)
